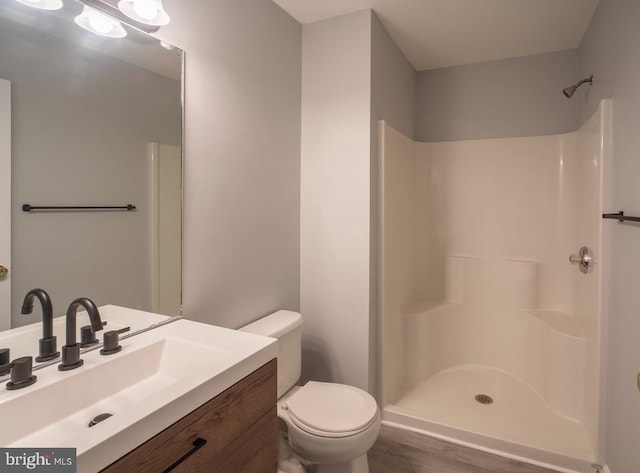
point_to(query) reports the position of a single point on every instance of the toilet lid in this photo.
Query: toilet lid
(330, 409)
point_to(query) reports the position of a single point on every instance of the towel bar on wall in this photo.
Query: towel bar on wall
(621, 217)
(81, 208)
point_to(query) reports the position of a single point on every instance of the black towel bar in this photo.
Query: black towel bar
(84, 208)
(621, 217)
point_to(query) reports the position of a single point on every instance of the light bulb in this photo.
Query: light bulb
(149, 12)
(145, 9)
(96, 22)
(101, 24)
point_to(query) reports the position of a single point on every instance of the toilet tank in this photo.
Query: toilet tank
(286, 327)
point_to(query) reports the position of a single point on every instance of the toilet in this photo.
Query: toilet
(330, 426)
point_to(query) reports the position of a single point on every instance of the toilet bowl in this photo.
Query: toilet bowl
(328, 425)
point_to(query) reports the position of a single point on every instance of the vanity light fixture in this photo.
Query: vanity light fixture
(96, 22)
(42, 4)
(149, 12)
(110, 8)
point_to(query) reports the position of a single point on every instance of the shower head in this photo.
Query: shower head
(569, 91)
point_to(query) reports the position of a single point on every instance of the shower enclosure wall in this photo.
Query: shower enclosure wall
(488, 334)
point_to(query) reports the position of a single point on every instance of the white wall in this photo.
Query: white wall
(609, 51)
(242, 157)
(335, 200)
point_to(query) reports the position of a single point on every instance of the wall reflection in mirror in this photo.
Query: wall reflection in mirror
(94, 121)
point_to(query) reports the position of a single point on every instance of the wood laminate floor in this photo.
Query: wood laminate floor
(401, 451)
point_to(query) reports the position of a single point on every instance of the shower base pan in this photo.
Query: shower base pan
(487, 408)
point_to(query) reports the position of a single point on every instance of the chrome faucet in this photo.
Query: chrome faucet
(48, 344)
(71, 350)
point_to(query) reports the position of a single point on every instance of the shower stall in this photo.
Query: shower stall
(489, 335)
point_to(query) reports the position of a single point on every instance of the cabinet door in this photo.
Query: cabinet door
(239, 428)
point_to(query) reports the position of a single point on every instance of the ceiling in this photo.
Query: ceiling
(442, 33)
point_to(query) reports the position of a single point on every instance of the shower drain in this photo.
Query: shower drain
(484, 399)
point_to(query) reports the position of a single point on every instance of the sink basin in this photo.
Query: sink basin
(157, 378)
(111, 387)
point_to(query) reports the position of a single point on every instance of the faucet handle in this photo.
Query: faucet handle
(111, 343)
(21, 373)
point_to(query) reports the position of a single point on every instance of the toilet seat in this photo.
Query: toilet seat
(331, 410)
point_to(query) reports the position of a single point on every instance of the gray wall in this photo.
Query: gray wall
(81, 122)
(393, 99)
(242, 158)
(393, 83)
(611, 52)
(352, 70)
(512, 97)
(334, 217)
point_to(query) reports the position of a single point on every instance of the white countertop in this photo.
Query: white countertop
(159, 377)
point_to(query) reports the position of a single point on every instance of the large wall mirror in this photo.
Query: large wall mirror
(93, 121)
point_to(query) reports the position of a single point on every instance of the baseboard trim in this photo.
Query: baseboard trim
(582, 466)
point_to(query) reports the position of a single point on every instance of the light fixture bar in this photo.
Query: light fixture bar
(113, 11)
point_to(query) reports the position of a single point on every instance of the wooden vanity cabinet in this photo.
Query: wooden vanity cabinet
(239, 425)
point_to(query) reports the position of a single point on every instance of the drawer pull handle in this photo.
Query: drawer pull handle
(197, 444)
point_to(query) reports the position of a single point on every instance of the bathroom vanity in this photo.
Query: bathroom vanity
(147, 406)
(234, 432)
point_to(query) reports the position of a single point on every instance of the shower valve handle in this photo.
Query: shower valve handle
(583, 259)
